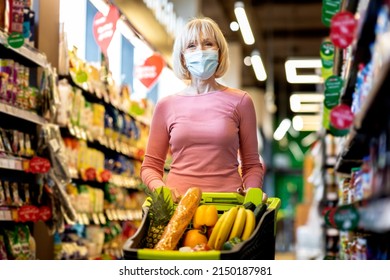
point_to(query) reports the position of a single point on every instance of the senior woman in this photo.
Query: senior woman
(209, 128)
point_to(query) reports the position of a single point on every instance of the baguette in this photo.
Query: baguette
(181, 218)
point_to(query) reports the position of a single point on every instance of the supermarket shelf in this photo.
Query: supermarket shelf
(28, 54)
(368, 123)
(21, 114)
(371, 117)
(102, 98)
(360, 49)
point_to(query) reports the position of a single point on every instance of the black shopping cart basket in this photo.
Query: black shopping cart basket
(260, 246)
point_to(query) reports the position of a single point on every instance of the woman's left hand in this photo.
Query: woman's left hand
(243, 191)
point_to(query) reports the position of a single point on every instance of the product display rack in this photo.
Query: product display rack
(113, 218)
(361, 163)
(23, 203)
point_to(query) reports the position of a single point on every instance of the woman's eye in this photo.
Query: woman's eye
(191, 46)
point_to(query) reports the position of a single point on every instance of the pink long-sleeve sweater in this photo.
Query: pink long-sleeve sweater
(204, 133)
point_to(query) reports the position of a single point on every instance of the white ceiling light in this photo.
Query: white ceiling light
(282, 129)
(305, 103)
(292, 76)
(306, 122)
(247, 61)
(234, 26)
(245, 27)
(308, 96)
(258, 66)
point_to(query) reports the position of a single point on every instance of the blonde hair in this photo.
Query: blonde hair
(191, 32)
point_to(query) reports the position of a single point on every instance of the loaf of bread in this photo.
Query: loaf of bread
(180, 219)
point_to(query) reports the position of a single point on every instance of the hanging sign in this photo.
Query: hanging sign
(346, 217)
(329, 9)
(341, 117)
(342, 29)
(333, 85)
(149, 72)
(104, 28)
(327, 54)
(331, 99)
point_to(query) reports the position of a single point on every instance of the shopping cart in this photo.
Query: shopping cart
(260, 246)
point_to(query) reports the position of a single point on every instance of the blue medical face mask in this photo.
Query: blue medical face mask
(202, 63)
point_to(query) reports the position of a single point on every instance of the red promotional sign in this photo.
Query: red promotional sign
(104, 28)
(39, 165)
(44, 213)
(341, 117)
(28, 213)
(149, 72)
(342, 29)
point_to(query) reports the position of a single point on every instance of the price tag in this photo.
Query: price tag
(18, 164)
(7, 215)
(4, 163)
(109, 215)
(102, 219)
(95, 218)
(85, 218)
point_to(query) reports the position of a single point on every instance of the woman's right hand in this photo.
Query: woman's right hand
(176, 196)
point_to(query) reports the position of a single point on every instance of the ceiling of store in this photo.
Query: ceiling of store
(282, 28)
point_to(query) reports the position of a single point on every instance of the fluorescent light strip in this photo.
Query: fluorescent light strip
(282, 129)
(245, 27)
(305, 108)
(307, 97)
(258, 66)
(306, 103)
(306, 122)
(291, 66)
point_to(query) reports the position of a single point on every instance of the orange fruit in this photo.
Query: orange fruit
(194, 237)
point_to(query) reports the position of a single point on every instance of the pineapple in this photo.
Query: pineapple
(160, 212)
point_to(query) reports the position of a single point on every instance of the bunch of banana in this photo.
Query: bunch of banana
(236, 222)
